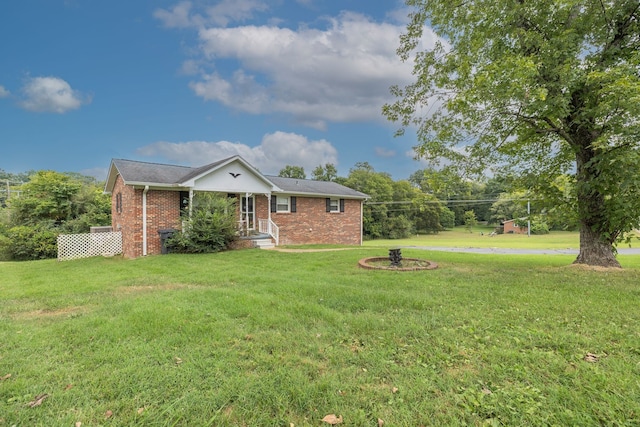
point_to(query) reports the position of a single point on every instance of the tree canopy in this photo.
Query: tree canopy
(540, 88)
(328, 172)
(292, 172)
(47, 204)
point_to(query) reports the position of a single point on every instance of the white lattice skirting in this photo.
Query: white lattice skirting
(74, 246)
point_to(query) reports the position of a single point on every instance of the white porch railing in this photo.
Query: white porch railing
(269, 227)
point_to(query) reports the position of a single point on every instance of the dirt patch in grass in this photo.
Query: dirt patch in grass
(584, 267)
(126, 290)
(50, 314)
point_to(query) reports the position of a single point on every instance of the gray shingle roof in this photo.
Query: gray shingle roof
(171, 175)
(309, 187)
(152, 173)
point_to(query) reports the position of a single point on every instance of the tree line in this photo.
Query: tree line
(37, 206)
(432, 200)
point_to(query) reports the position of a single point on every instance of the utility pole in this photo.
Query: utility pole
(528, 217)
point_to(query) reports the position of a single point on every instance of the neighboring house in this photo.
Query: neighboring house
(510, 226)
(149, 197)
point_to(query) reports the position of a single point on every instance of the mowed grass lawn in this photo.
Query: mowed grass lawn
(481, 238)
(265, 338)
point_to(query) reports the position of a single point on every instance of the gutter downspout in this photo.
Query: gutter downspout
(361, 221)
(144, 220)
(269, 211)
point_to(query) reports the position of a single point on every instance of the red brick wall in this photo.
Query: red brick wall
(511, 227)
(312, 224)
(163, 211)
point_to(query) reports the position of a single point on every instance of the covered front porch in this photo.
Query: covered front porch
(251, 190)
(251, 222)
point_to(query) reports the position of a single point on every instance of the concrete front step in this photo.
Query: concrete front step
(263, 243)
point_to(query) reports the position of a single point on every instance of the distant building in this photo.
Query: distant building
(511, 227)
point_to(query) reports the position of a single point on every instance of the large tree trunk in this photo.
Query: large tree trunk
(595, 251)
(596, 241)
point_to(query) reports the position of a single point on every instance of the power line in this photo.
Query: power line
(467, 201)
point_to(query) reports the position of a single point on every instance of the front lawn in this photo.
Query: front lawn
(257, 338)
(482, 238)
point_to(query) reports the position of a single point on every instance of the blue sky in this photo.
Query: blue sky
(280, 82)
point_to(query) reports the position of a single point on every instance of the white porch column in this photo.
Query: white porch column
(269, 207)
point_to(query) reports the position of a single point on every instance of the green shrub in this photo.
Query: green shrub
(211, 227)
(447, 218)
(470, 220)
(539, 227)
(398, 227)
(31, 243)
(5, 245)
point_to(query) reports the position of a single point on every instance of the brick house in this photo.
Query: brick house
(149, 197)
(510, 227)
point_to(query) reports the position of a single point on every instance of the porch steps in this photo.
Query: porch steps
(263, 242)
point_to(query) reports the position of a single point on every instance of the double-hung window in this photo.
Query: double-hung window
(283, 204)
(335, 205)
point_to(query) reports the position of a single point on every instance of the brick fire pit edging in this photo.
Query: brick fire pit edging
(364, 263)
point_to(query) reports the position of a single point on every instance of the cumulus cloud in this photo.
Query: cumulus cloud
(182, 15)
(4, 92)
(340, 72)
(275, 151)
(177, 17)
(50, 94)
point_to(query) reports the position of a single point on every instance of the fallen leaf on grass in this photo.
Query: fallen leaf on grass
(380, 422)
(108, 414)
(6, 377)
(332, 419)
(68, 387)
(591, 358)
(394, 390)
(37, 401)
(486, 391)
(140, 410)
(79, 424)
(177, 360)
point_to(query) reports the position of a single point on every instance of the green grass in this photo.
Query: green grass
(459, 237)
(266, 338)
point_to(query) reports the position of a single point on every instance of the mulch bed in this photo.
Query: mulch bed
(407, 264)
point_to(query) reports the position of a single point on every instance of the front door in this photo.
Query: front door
(248, 213)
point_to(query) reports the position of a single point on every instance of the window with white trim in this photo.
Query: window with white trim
(335, 205)
(282, 204)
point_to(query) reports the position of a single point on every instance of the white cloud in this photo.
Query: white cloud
(339, 73)
(276, 150)
(227, 11)
(182, 15)
(177, 17)
(4, 92)
(51, 94)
